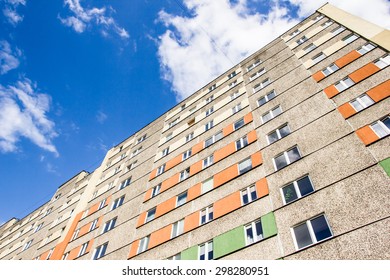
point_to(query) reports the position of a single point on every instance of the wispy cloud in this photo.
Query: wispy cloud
(215, 35)
(23, 114)
(10, 11)
(101, 117)
(9, 59)
(83, 18)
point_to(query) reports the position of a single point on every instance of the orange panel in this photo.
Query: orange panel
(257, 159)
(59, 250)
(262, 188)
(133, 249)
(194, 192)
(153, 174)
(89, 245)
(173, 162)
(170, 182)
(191, 221)
(318, 76)
(380, 92)
(224, 152)
(346, 110)
(248, 118)
(160, 236)
(331, 91)
(99, 223)
(252, 137)
(84, 229)
(227, 130)
(367, 135)
(93, 209)
(44, 255)
(165, 207)
(364, 72)
(227, 204)
(148, 195)
(196, 167)
(198, 147)
(73, 253)
(141, 219)
(348, 58)
(225, 175)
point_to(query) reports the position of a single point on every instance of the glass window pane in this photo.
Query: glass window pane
(245, 165)
(321, 228)
(210, 251)
(262, 101)
(280, 162)
(348, 82)
(379, 130)
(293, 154)
(245, 198)
(366, 100)
(289, 193)
(253, 193)
(277, 111)
(271, 95)
(356, 105)
(259, 230)
(272, 137)
(302, 236)
(386, 122)
(266, 117)
(285, 130)
(249, 235)
(218, 136)
(202, 252)
(305, 186)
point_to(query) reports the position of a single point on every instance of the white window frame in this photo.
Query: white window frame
(344, 84)
(156, 190)
(101, 205)
(165, 152)
(186, 154)
(208, 161)
(272, 114)
(141, 139)
(384, 130)
(75, 234)
(207, 185)
(207, 246)
(252, 226)
(248, 191)
(238, 124)
(209, 125)
(235, 95)
(160, 170)
(253, 65)
(309, 48)
(366, 48)
(177, 228)
(150, 214)
(212, 87)
(83, 249)
(184, 174)
(295, 32)
(278, 134)
(267, 97)
(143, 244)
(179, 201)
(241, 171)
(286, 157)
(93, 224)
(383, 61)
(117, 202)
(242, 142)
(350, 38)
(168, 137)
(338, 30)
(173, 123)
(207, 213)
(261, 85)
(257, 74)
(301, 40)
(231, 75)
(209, 111)
(318, 57)
(100, 251)
(176, 257)
(330, 69)
(27, 245)
(109, 225)
(236, 108)
(213, 139)
(133, 165)
(189, 137)
(124, 183)
(233, 84)
(209, 99)
(327, 23)
(296, 188)
(362, 102)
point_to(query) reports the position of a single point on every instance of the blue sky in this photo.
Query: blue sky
(79, 76)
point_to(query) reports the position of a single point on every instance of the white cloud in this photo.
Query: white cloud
(196, 49)
(10, 10)
(83, 18)
(23, 115)
(101, 117)
(8, 57)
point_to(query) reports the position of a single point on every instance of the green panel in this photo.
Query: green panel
(229, 242)
(269, 225)
(190, 254)
(386, 165)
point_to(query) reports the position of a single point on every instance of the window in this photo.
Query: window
(286, 158)
(133, 165)
(241, 143)
(165, 152)
(117, 202)
(257, 74)
(253, 232)
(209, 125)
(382, 62)
(236, 108)
(209, 99)
(93, 225)
(176, 257)
(262, 100)
(232, 84)
(156, 190)
(100, 251)
(184, 174)
(365, 48)
(160, 169)
(248, 195)
(231, 75)
(317, 58)
(38, 227)
(238, 124)
(125, 183)
(350, 38)
(301, 40)
(361, 102)
(297, 189)
(206, 251)
(234, 95)
(278, 133)
(209, 111)
(142, 138)
(172, 123)
(192, 109)
(48, 211)
(102, 204)
(330, 69)
(206, 215)
(382, 127)
(189, 137)
(326, 24)
(181, 199)
(150, 214)
(295, 32)
(109, 225)
(65, 256)
(207, 185)
(213, 139)
(338, 30)
(214, 86)
(271, 114)
(311, 232)
(27, 245)
(245, 165)
(344, 84)
(136, 152)
(117, 169)
(253, 65)
(168, 137)
(83, 249)
(94, 194)
(309, 48)
(177, 228)
(191, 122)
(208, 161)
(317, 18)
(186, 154)
(57, 197)
(182, 107)
(261, 85)
(143, 244)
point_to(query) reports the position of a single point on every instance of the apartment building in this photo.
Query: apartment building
(284, 156)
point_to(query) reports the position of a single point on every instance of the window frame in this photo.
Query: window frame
(266, 97)
(241, 142)
(156, 190)
(344, 84)
(272, 114)
(382, 126)
(250, 190)
(160, 170)
(363, 105)
(179, 201)
(143, 244)
(278, 134)
(117, 202)
(296, 189)
(318, 57)
(150, 214)
(287, 159)
(208, 161)
(253, 227)
(186, 154)
(109, 225)
(245, 169)
(208, 215)
(177, 228)
(206, 246)
(99, 251)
